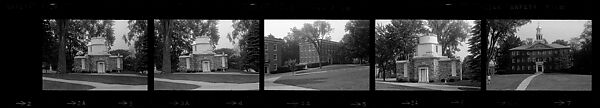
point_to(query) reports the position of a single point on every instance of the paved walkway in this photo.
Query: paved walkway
(110, 74)
(431, 86)
(221, 73)
(214, 86)
(101, 86)
(270, 85)
(525, 83)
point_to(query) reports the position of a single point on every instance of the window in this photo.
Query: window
(513, 67)
(436, 49)
(274, 56)
(275, 48)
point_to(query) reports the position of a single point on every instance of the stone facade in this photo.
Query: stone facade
(428, 66)
(539, 57)
(96, 58)
(308, 53)
(202, 53)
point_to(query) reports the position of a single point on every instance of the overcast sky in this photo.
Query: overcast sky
(464, 47)
(120, 29)
(280, 28)
(552, 29)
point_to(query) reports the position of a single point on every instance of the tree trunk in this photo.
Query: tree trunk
(62, 59)
(166, 66)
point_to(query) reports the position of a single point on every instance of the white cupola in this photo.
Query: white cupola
(202, 46)
(428, 46)
(97, 46)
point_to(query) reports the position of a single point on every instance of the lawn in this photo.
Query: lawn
(461, 83)
(214, 78)
(126, 80)
(328, 67)
(507, 81)
(54, 85)
(555, 81)
(384, 86)
(160, 85)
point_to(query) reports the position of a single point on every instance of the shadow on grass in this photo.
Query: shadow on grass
(55, 85)
(300, 81)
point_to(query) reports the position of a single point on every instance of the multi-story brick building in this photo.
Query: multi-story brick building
(539, 57)
(308, 52)
(273, 53)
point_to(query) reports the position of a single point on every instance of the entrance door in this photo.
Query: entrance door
(423, 74)
(539, 67)
(101, 67)
(205, 66)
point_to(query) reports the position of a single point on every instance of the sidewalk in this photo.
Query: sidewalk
(270, 85)
(110, 74)
(213, 86)
(222, 73)
(431, 86)
(523, 85)
(101, 86)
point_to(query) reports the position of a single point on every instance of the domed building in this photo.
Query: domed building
(97, 59)
(428, 65)
(202, 58)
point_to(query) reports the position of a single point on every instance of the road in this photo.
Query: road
(332, 77)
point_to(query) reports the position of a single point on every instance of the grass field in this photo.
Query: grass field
(54, 85)
(214, 78)
(507, 81)
(126, 80)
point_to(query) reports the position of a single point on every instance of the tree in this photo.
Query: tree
(247, 33)
(561, 42)
(450, 34)
(290, 47)
(315, 34)
(396, 41)
(500, 30)
(227, 51)
(67, 37)
(503, 59)
(582, 62)
(357, 39)
(182, 34)
(475, 46)
(137, 35)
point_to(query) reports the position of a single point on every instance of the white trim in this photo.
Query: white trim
(187, 63)
(426, 77)
(82, 63)
(405, 70)
(453, 68)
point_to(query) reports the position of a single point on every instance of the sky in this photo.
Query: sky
(552, 29)
(120, 29)
(464, 47)
(280, 28)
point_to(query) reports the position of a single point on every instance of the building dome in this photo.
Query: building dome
(201, 40)
(97, 40)
(430, 38)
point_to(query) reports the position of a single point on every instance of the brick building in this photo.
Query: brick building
(97, 58)
(308, 52)
(202, 58)
(429, 65)
(539, 57)
(273, 53)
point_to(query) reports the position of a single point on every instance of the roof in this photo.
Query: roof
(539, 46)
